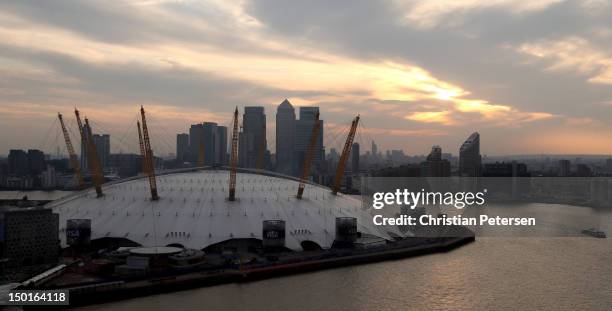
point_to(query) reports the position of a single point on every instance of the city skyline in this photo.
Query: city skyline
(419, 74)
(57, 148)
(306, 154)
(181, 148)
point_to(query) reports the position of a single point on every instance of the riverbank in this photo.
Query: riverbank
(116, 290)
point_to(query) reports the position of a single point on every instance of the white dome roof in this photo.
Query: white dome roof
(193, 210)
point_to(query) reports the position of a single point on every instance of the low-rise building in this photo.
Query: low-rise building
(28, 236)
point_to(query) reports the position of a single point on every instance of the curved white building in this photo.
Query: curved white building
(193, 210)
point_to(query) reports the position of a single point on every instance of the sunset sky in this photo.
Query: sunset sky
(531, 77)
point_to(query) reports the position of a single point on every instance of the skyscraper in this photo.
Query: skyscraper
(17, 162)
(331, 160)
(3, 173)
(252, 140)
(374, 150)
(435, 154)
(583, 170)
(210, 142)
(196, 137)
(469, 156)
(102, 143)
(182, 146)
(209, 137)
(355, 158)
(221, 146)
(564, 168)
(435, 166)
(285, 131)
(36, 161)
(303, 131)
(308, 113)
(126, 164)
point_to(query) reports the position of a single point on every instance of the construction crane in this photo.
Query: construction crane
(74, 162)
(143, 153)
(233, 159)
(345, 154)
(92, 154)
(309, 155)
(150, 168)
(262, 150)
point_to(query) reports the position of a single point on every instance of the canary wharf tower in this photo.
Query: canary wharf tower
(285, 128)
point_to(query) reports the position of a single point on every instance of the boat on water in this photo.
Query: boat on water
(594, 233)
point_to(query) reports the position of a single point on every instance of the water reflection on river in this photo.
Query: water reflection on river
(494, 273)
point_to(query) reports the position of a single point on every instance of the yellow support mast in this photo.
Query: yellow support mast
(233, 159)
(150, 167)
(345, 154)
(143, 153)
(92, 154)
(309, 156)
(74, 162)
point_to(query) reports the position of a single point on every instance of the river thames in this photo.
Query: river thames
(494, 273)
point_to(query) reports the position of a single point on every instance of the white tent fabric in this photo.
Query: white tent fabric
(193, 210)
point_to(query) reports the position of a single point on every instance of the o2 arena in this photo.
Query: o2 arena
(212, 225)
(193, 211)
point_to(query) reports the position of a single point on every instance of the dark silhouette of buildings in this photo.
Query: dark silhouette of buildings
(252, 139)
(564, 168)
(470, 161)
(21, 163)
(355, 158)
(182, 147)
(3, 172)
(374, 150)
(126, 164)
(29, 236)
(505, 169)
(583, 170)
(285, 132)
(303, 131)
(221, 157)
(210, 143)
(213, 139)
(196, 137)
(405, 170)
(36, 162)
(102, 144)
(17, 162)
(435, 166)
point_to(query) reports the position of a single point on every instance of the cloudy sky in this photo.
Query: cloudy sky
(531, 77)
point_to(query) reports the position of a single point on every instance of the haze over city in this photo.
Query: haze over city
(531, 77)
